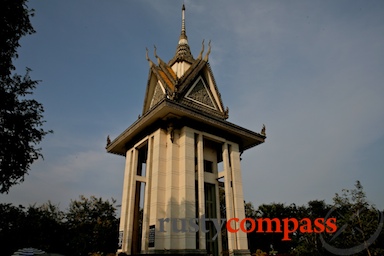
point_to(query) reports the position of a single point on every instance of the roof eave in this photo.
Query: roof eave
(165, 107)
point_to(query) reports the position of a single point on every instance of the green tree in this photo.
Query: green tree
(358, 223)
(309, 244)
(11, 222)
(35, 226)
(93, 226)
(14, 24)
(44, 228)
(250, 211)
(270, 241)
(89, 226)
(21, 118)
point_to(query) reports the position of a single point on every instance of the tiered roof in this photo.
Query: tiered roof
(184, 79)
(183, 92)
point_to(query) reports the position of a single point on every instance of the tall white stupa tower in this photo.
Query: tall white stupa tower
(181, 155)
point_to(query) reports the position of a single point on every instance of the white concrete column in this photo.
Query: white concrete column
(158, 186)
(232, 242)
(238, 197)
(124, 201)
(170, 194)
(131, 201)
(200, 187)
(187, 184)
(147, 196)
(219, 238)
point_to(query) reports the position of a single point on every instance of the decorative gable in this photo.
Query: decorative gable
(158, 94)
(199, 93)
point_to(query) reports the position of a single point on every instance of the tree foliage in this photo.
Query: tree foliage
(93, 225)
(40, 227)
(11, 225)
(309, 244)
(14, 24)
(21, 118)
(272, 242)
(88, 226)
(357, 222)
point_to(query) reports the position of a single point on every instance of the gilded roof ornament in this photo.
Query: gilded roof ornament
(154, 51)
(156, 56)
(226, 113)
(201, 52)
(263, 131)
(147, 57)
(209, 51)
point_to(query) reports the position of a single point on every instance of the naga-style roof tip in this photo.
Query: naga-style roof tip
(201, 52)
(147, 58)
(208, 52)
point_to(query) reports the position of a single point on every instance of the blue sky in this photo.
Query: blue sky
(311, 71)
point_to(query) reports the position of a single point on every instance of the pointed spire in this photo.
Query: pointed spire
(183, 36)
(183, 52)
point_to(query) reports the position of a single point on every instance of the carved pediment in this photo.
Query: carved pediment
(199, 93)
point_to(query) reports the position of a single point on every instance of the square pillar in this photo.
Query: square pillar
(200, 187)
(232, 241)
